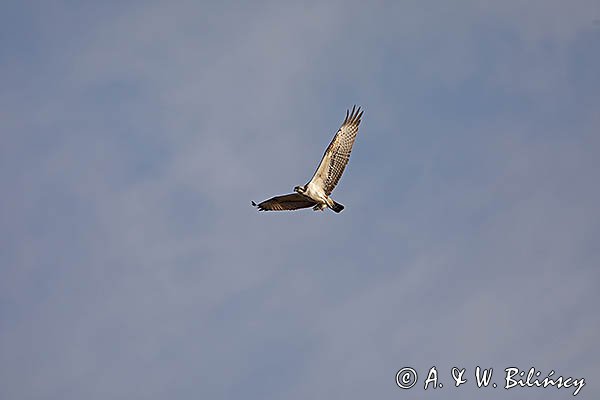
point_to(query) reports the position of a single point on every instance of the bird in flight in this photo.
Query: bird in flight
(316, 192)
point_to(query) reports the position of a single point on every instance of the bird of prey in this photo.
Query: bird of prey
(316, 192)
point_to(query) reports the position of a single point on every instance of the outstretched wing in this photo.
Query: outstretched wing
(292, 201)
(337, 154)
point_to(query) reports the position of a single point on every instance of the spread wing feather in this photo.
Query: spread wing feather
(337, 154)
(292, 201)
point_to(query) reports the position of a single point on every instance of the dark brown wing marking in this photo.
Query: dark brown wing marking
(286, 202)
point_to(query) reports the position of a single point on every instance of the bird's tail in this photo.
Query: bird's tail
(337, 207)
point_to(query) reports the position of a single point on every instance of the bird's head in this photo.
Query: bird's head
(299, 189)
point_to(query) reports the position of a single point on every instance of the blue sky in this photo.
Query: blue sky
(135, 134)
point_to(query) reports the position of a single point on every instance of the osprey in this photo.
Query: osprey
(316, 192)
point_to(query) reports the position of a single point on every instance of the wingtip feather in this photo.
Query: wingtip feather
(353, 115)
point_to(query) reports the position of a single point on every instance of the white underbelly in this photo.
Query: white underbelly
(316, 193)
